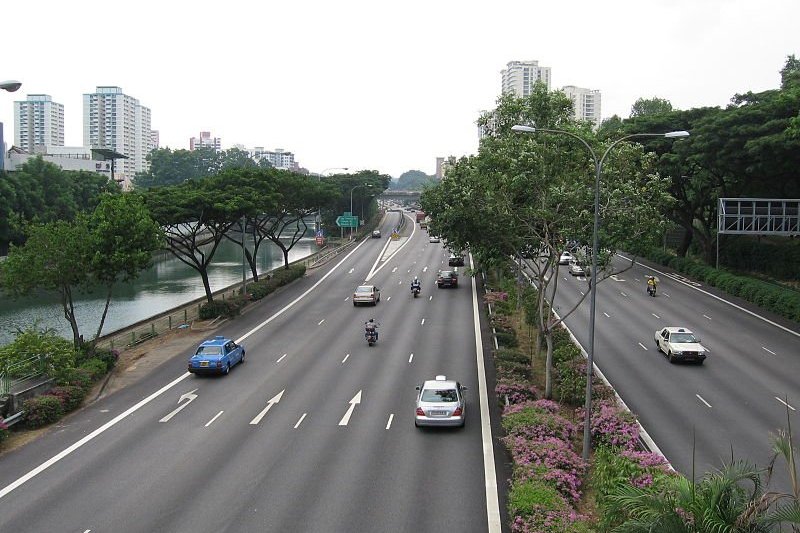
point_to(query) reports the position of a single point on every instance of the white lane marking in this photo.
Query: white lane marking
(388, 298)
(346, 298)
(422, 323)
(582, 293)
(300, 421)
(615, 278)
(430, 298)
(625, 295)
(345, 358)
(400, 282)
(786, 404)
(87, 531)
(768, 350)
(320, 322)
(565, 278)
(636, 280)
(281, 358)
(103, 410)
(355, 401)
(702, 400)
(410, 358)
(425, 269)
(487, 442)
(643, 346)
(389, 423)
(655, 315)
(787, 330)
(275, 399)
(708, 317)
(666, 294)
(212, 420)
(409, 270)
(607, 315)
(350, 271)
(114, 421)
(191, 396)
(394, 269)
(385, 260)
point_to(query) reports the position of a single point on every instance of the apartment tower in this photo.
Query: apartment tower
(519, 77)
(38, 121)
(585, 103)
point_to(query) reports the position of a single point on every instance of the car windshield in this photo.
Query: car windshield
(439, 395)
(209, 350)
(364, 288)
(682, 338)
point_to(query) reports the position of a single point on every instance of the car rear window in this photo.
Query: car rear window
(209, 350)
(364, 289)
(439, 395)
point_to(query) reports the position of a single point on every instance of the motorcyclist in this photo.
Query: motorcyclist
(415, 284)
(652, 283)
(370, 326)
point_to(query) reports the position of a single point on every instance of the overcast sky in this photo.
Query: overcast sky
(372, 84)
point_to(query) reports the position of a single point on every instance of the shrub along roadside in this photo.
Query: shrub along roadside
(782, 301)
(255, 291)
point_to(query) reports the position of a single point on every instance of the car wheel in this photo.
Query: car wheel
(671, 357)
(242, 359)
(227, 369)
(658, 346)
(355, 304)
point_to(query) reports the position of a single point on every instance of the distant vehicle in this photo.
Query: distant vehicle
(680, 344)
(447, 278)
(216, 356)
(565, 258)
(456, 260)
(440, 402)
(434, 238)
(420, 216)
(576, 269)
(366, 294)
(376, 234)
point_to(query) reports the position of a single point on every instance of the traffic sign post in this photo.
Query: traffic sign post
(347, 220)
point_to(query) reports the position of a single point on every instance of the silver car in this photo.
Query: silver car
(440, 402)
(366, 294)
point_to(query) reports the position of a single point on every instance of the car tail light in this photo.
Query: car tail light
(457, 412)
(420, 412)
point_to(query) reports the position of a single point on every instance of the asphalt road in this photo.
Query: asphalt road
(697, 415)
(314, 432)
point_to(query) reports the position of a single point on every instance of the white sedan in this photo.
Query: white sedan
(576, 269)
(680, 344)
(565, 258)
(434, 238)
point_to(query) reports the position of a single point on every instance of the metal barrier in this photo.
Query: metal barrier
(29, 367)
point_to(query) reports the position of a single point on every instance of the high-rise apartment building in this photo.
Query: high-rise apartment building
(205, 141)
(115, 121)
(519, 77)
(277, 158)
(38, 121)
(585, 103)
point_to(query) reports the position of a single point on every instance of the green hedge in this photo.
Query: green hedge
(4, 432)
(782, 301)
(42, 410)
(275, 279)
(71, 396)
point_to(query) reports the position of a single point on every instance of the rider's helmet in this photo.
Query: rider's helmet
(415, 278)
(372, 320)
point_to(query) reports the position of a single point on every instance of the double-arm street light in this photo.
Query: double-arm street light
(598, 168)
(10, 85)
(351, 201)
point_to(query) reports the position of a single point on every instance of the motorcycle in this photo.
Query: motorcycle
(651, 290)
(652, 282)
(371, 336)
(415, 290)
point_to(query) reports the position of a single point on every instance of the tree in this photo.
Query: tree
(125, 237)
(650, 106)
(790, 73)
(413, 180)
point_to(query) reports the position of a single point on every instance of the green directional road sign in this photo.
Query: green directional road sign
(347, 221)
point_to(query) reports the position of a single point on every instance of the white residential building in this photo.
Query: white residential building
(277, 158)
(38, 121)
(519, 77)
(205, 141)
(585, 103)
(115, 121)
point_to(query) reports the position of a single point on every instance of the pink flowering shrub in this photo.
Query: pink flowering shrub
(611, 425)
(532, 422)
(549, 459)
(516, 391)
(4, 433)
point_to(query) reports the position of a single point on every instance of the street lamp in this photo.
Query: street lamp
(351, 201)
(10, 85)
(598, 168)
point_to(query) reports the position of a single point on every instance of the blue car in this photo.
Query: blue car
(216, 356)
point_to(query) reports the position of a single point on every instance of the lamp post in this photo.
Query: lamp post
(351, 201)
(10, 85)
(598, 168)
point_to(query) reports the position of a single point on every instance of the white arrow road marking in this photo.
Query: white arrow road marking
(345, 358)
(191, 396)
(768, 350)
(702, 400)
(422, 323)
(425, 269)
(300, 421)
(320, 322)
(410, 358)
(394, 269)
(643, 346)
(355, 401)
(389, 423)
(786, 404)
(708, 317)
(350, 271)
(281, 358)
(655, 315)
(607, 315)
(212, 420)
(275, 399)
(615, 278)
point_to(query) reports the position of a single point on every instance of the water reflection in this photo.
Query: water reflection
(166, 284)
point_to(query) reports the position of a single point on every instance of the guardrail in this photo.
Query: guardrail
(29, 367)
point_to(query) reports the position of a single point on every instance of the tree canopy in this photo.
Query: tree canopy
(173, 167)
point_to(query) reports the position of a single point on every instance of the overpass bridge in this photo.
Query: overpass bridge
(400, 196)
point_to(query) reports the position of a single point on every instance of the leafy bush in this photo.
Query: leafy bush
(511, 370)
(42, 410)
(507, 339)
(565, 353)
(71, 396)
(570, 381)
(95, 367)
(109, 357)
(515, 391)
(4, 432)
(225, 308)
(611, 425)
(537, 507)
(536, 420)
(78, 377)
(512, 355)
(273, 280)
(57, 354)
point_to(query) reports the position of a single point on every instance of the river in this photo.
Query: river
(168, 283)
